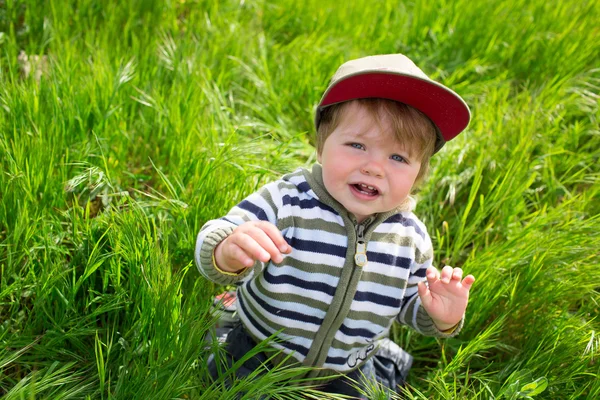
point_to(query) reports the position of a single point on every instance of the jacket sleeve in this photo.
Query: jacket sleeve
(412, 312)
(262, 205)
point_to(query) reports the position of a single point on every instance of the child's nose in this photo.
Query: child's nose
(372, 168)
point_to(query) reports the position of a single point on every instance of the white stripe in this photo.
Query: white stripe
(291, 289)
(312, 257)
(391, 248)
(236, 216)
(341, 337)
(413, 280)
(410, 291)
(318, 214)
(337, 367)
(319, 235)
(386, 270)
(282, 321)
(333, 352)
(364, 324)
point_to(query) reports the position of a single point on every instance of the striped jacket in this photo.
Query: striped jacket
(328, 304)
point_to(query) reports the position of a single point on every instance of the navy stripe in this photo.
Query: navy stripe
(292, 346)
(304, 187)
(254, 209)
(377, 298)
(318, 247)
(421, 272)
(280, 312)
(336, 360)
(297, 282)
(306, 204)
(357, 332)
(389, 259)
(400, 219)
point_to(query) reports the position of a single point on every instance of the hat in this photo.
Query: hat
(396, 77)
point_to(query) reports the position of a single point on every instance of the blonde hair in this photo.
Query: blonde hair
(410, 126)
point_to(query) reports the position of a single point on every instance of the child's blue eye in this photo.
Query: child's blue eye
(398, 158)
(357, 146)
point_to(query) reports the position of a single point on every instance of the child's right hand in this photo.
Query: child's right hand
(251, 241)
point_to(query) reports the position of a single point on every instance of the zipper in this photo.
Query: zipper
(360, 256)
(318, 355)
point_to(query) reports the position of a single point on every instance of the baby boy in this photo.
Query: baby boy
(327, 258)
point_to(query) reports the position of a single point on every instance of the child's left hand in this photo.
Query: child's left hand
(446, 298)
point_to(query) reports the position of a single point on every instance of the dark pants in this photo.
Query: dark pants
(388, 367)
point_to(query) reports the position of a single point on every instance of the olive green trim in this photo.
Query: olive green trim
(307, 267)
(368, 316)
(374, 277)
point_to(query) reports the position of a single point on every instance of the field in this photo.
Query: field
(125, 125)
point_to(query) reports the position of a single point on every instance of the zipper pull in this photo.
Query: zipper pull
(360, 257)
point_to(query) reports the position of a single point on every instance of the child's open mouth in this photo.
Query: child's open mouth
(365, 189)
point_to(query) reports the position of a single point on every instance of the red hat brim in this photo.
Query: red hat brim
(445, 108)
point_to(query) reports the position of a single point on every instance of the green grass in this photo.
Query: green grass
(152, 117)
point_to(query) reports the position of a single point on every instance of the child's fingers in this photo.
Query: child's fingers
(266, 242)
(236, 257)
(446, 274)
(424, 293)
(432, 275)
(457, 274)
(275, 235)
(468, 281)
(249, 246)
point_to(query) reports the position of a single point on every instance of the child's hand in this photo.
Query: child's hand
(251, 241)
(445, 300)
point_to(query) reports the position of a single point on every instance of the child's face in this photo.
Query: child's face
(361, 151)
